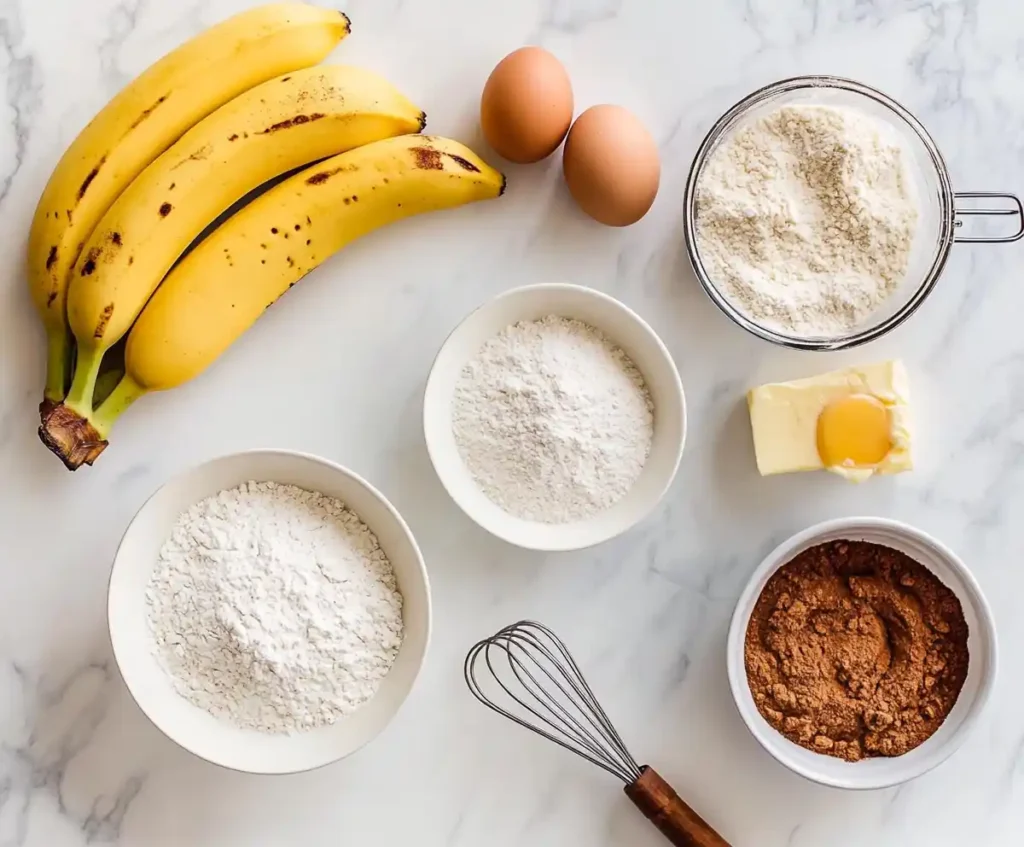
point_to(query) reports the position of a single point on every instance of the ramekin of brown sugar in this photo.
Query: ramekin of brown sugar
(861, 653)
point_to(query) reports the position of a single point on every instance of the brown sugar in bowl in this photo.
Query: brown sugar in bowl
(892, 765)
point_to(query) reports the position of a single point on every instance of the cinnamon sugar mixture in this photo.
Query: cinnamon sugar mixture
(856, 650)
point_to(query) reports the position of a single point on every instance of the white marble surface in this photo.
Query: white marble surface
(338, 369)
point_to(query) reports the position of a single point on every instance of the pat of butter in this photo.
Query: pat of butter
(784, 418)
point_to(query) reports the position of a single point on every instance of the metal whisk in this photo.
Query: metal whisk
(535, 670)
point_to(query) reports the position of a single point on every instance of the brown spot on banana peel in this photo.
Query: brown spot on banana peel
(145, 113)
(465, 164)
(233, 137)
(89, 177)
(427, 159)
(96, 254)
(165, 209)
(298, 120)
(89, 266)
(108, 310)
(197, 156)
(51, 257)
(70, 437)
(322, 177)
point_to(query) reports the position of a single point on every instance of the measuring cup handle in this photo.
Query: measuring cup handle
(1017, 211)
(680, 824)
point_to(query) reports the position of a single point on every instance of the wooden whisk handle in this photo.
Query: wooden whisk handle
(666, 810)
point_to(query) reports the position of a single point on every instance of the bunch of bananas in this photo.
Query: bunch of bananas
(228, 111)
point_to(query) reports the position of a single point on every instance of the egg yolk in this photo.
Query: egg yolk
(854, 431)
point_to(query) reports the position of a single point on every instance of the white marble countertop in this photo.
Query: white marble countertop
(338, 369)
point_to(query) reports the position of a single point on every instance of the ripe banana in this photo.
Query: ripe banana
(269, 130)
(141, 122)
(222, 287)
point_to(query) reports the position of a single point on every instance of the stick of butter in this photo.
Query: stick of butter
(854, 422)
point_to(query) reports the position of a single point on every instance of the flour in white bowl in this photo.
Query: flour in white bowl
(553, 421)
(274, 608)
(805, 218)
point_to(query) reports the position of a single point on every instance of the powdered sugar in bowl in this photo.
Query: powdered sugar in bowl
(269, 611)
(880, 252)
(555, 417)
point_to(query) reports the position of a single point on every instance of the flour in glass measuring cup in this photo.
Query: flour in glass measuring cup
(274, 608)
(805, 218)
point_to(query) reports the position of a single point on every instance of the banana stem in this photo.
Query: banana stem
(87, 368)
(124, 394)
(58, 355)
(77, 436)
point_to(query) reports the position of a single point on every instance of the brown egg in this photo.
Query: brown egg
(526, 107)
(611, 165)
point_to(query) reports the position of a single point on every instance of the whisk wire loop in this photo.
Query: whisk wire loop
(591, 710)
(536, 671)
(557, 734)
(547, 713)
(573, 728)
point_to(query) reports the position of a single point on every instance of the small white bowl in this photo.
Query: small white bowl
(626, 329)
(981, 644)
(196, 730)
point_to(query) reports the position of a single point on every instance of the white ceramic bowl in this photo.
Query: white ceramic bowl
(981, 644)
(194, 729)
(626, 329)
